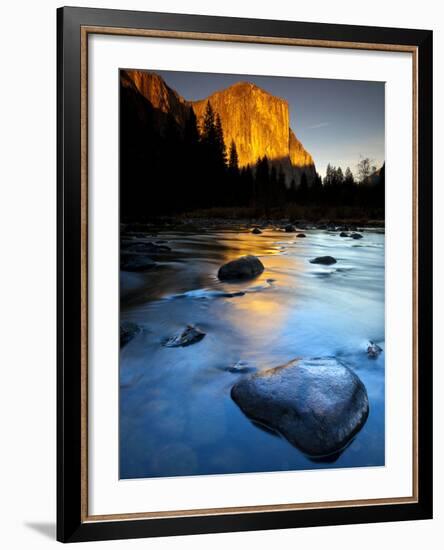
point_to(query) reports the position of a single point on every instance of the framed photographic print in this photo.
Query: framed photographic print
(245, 269)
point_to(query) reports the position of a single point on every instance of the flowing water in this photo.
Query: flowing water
(176, 413)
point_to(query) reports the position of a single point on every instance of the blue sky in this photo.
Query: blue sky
(338, 121)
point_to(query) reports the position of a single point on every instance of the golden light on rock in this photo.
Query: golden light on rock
(257, 121)
(259, 124)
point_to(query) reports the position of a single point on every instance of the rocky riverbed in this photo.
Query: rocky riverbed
(188, 337)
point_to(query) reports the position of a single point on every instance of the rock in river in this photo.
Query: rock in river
(128, 331)
(317, 404)
(143, 246)
(301, 235)
(356, 236)
(136, 262)
(256, 231)
(344, 234)
(245, 267)
(290, 228)
(189, 336)
(324, 260)
(241, 367)
(373, 350)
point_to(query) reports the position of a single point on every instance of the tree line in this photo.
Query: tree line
(341, 188)
(215, 178)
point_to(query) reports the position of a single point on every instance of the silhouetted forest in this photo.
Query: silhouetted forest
(170, 168)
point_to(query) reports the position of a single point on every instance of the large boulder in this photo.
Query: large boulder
(245, 267)
(317, 404)
(323, 260)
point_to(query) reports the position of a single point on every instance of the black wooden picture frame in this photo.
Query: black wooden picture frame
(73, 522)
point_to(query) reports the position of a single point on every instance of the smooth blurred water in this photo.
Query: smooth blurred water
(176, 413)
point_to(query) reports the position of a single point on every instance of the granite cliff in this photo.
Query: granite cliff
(259, 124)
(257, 121)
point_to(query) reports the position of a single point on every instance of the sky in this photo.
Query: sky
(337, 121)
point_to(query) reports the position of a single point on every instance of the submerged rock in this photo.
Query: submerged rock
(317, 404)
(143, 246)
(324, 260)
(245, 267)
(128, 331)
(356, 236)
(189, 336)
(256, 231)
(136, 262)
(301, 235)
(344, 234)
(232, 294)
(373, 350)
(240, 367)
(290, 228)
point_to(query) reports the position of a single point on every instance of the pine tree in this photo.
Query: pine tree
(316, 190)
(281, 187)
(349, 179)
(208, 128)
(263, 184)
(328, 179)
(339, 176)
(213, 157)
(281, 178)
(233, 161)
(221, 150)
(192, 193)
(233, 188)
(292, 191)
(272, 193)
(302, 192)
(380, 188)
(247, 187)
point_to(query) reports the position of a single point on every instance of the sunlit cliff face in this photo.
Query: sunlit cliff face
(259, 124)
(257, 121)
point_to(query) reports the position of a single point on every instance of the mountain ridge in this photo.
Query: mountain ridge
(257, 121)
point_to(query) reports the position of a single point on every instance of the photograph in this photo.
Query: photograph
(252, 273)
(244, 303)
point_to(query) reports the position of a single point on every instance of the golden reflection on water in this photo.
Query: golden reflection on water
(244, 243)
(263, 312)
(258, 312)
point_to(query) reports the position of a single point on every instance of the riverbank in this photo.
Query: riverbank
(201, 221)
(316, 216)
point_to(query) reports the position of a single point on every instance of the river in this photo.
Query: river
(176, 414)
